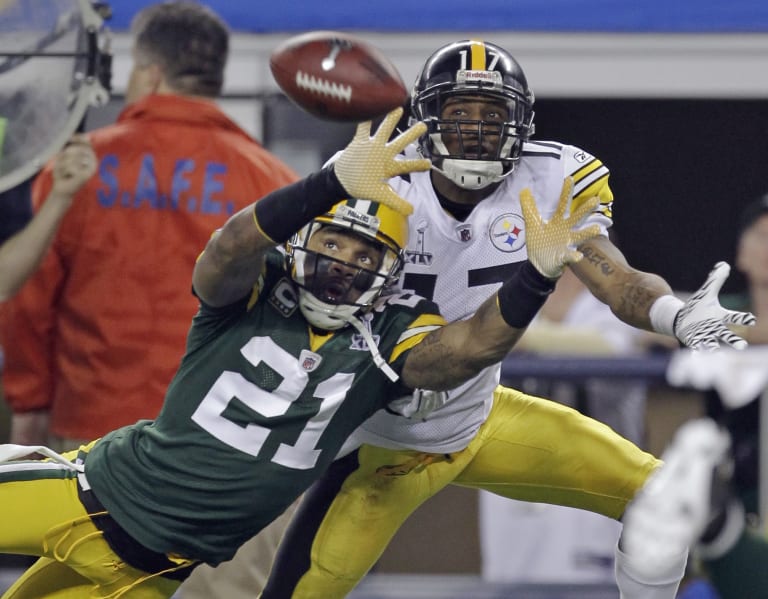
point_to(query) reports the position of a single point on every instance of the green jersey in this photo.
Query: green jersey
(258, 409)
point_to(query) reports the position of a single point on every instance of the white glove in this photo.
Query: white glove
(367, 164)
(552, 244)
(700, 323)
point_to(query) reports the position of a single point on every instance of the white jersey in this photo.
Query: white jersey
(459, 264)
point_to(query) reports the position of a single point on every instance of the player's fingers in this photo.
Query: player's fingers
(363, 131)
(579, 237)
(530, 211)
(408, 136)
(394, 201)
(387, 126)
(401, 167)
(716, 278)
(566, 193)
(585, 208)
(572, 257)
(734, 340)
(739, 318)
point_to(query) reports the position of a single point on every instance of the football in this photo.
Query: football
(337, 76)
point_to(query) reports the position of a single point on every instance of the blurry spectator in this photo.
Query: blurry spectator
(98, 331)
(22, 252)
(707, 491)
(743, 424)
(24, 240)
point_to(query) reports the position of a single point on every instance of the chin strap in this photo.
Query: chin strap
(380, 362)
(471, 174)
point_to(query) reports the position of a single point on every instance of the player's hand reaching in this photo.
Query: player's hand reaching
(368, 162)
(701, 322)
(74, 165)
(552, 244)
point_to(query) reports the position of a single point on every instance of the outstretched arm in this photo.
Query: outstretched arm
(646, 301)
(21, 254)
(453, 354)
(629, 293)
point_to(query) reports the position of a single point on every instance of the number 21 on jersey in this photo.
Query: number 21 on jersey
(303, 454)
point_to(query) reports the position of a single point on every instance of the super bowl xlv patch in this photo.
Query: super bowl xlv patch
(359, 343)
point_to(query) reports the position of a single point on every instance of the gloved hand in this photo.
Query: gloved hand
(552, 244)
(700, 323)
(367, 163)
(420, 404)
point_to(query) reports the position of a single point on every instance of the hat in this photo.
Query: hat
(752, 212)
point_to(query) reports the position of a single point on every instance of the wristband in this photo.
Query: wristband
(286, 210)
(521, 297)
(663, 312)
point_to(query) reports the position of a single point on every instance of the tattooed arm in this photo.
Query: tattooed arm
(630, 293)
(458, 351)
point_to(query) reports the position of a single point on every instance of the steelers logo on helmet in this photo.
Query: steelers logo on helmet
(475, 147)
(333, 291)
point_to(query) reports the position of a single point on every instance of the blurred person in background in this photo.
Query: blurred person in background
(707, 492)
(172, 168)
(23, 251)
(94, 337)
(24, 240)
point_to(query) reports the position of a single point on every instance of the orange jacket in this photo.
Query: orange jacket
(97, 333)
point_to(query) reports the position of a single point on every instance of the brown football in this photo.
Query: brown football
(337, 76)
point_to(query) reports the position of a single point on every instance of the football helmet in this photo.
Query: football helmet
(476, 69)
(325, 301)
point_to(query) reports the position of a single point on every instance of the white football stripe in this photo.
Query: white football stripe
(417, 331)
(323, 86)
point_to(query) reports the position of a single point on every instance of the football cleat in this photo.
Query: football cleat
(681, 498)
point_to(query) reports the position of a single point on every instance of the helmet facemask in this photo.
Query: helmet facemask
(332, 291)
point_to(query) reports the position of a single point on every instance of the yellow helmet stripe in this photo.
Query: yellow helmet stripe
(477, 59)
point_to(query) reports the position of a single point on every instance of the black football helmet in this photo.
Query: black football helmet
(473, 68)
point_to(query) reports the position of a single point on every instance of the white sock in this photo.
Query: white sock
(633, 585)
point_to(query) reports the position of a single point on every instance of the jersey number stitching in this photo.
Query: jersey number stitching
(251, 438)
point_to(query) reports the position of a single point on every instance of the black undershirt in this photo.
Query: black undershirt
(458, 211)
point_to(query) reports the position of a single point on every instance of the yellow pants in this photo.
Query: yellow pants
(529, 449)
(42, 515)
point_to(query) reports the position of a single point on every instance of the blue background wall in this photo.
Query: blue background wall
(489, 15)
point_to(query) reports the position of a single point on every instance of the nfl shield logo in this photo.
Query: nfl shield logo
(464, 233)
(309, 360)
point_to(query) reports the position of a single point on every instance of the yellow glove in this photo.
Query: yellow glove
(552, 244)
(367, 164)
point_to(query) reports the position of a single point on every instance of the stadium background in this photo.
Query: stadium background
(673, 97)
